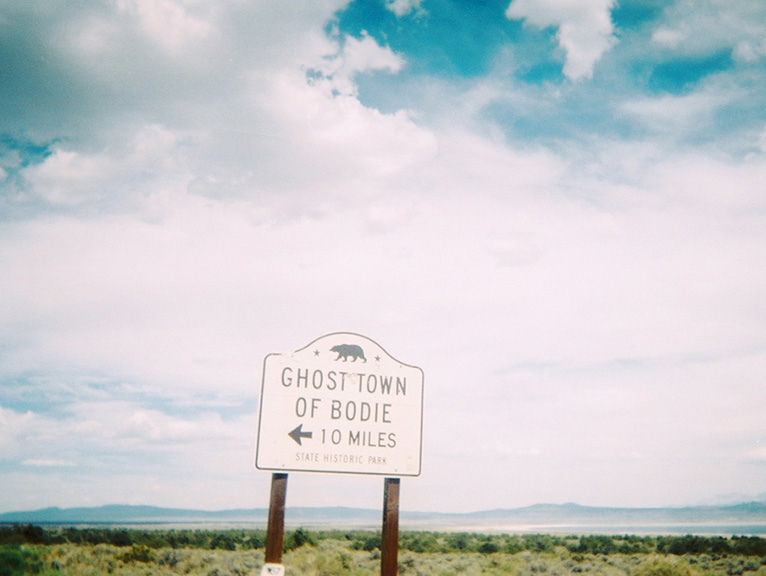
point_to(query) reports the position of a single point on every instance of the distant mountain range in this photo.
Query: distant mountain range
(744, 518)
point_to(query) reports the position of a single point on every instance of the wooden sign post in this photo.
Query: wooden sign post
(389, 553)
(275, 533)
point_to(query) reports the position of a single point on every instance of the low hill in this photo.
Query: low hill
(745, 518)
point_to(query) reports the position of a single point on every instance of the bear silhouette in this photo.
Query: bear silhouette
(346, 350)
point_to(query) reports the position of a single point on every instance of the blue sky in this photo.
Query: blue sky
(555, 208)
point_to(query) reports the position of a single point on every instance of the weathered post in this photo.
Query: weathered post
(389, 553)
(275, 532)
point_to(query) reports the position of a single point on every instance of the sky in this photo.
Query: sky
(555, 208)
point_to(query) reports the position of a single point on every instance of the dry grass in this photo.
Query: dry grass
(337, 557)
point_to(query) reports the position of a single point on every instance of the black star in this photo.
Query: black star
(316, 352)
(377, 358)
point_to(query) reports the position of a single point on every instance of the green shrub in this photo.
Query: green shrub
(255, 540)
(12, 561)
(488, 547)
(26, 534)
(298, 538)
(594, 545)
(417, 542)
(367, 542)
(223, 542)
(749, 546)
(138, 553)
(539, 542)
(458, 542)
(663, 567)
(15, 560)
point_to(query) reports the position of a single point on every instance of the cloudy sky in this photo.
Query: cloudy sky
(555, 208)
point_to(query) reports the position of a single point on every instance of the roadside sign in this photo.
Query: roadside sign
(340, 404)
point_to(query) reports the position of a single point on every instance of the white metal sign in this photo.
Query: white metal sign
(340, 404)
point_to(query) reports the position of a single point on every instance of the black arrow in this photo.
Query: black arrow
(298, 433)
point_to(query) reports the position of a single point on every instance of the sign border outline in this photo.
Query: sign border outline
(347, 472)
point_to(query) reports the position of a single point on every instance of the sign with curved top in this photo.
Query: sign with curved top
(340, 404)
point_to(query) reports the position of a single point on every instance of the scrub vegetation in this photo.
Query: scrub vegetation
(239, 552)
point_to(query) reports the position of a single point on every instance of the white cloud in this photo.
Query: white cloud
(73, 178)
(167, 22)
(750, 51)
(147, 455)
(336, 138)
(328, 142)
(364, 54)
(90, 428)
(669, 38)
(48, 463)
(287, 125)
(757, 453)
(557, 301)
(705, 27)
(585, 30)
(633, 306)
(678, 116)
(403, 7)
(357, 56)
